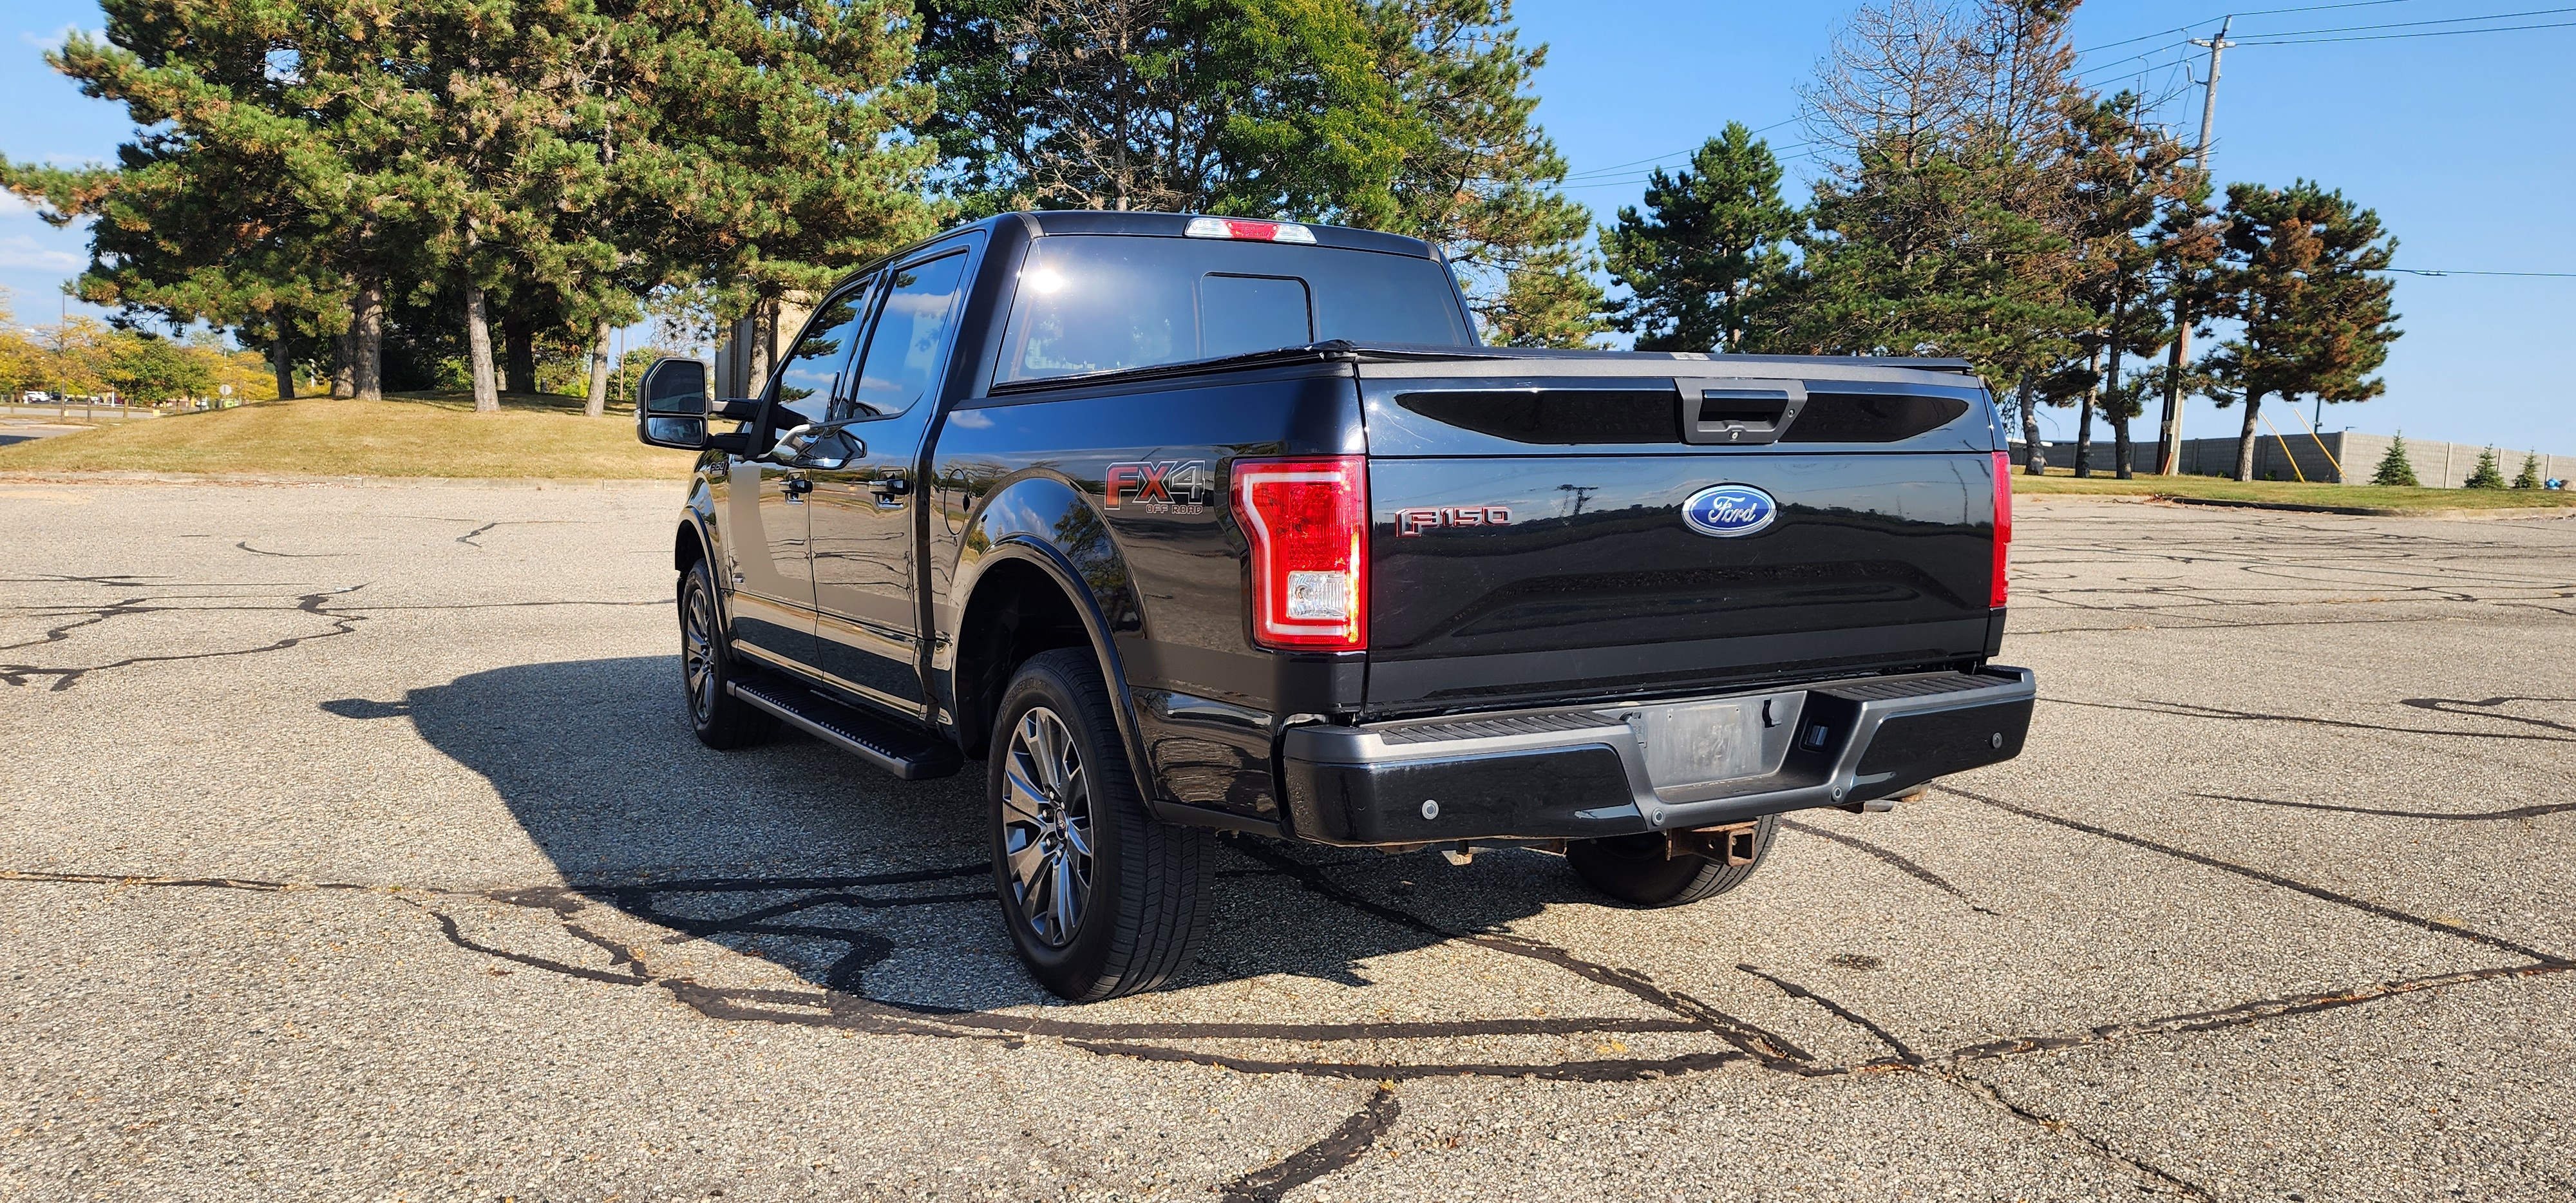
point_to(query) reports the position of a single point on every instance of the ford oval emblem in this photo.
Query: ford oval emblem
(1725, 511)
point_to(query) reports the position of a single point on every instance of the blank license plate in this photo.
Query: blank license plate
(1701, 742)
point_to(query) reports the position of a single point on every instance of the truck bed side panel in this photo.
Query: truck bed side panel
(1158, 554)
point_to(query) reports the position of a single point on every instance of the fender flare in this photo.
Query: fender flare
(697, 520)
(1008, 541)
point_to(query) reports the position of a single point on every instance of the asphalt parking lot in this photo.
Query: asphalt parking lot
(353, 846)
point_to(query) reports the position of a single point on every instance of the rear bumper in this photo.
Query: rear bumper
(1583, 772)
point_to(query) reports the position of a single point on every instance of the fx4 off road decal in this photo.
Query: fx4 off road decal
(1172, 486)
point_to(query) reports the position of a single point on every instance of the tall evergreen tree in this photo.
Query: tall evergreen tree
(2126, 178)
(243, 199)
(2299, 274)
(307, 166)
(1239, 106)
(1411, 116)
(1480, 179)
(1702, 260)
(1942, 227)
(2187, 249)
(2529, 477)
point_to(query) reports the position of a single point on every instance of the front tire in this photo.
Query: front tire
(721, 720)
(1634, 870)
(1100, 898)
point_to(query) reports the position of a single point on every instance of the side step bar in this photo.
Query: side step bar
(909, 753)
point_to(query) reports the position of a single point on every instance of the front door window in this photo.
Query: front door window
(868, 637)
(810, 374)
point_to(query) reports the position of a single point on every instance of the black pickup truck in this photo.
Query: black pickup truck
(1190, 524)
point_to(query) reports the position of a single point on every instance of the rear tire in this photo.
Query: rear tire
(1100, 898)
(721, 720)
(1632, 868)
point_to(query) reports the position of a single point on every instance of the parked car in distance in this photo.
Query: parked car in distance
(1185, 524)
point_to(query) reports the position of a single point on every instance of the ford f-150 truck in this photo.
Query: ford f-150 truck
(1191, 524)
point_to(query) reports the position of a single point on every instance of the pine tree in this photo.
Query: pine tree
(1411, 116)
(2529, 477)
(232, 204)
(1700, 263)
(2487, 475)
(1942, 227)
(2299, 273)
(2128, 185)
(2394, 467)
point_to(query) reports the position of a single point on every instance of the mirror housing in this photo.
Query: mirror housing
(671, 405)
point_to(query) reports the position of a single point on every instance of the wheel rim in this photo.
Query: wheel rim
(1046, 827)
(698, 651)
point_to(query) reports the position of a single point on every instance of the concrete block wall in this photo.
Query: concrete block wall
(2348, 457)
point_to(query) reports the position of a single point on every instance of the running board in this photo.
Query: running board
(908, 753)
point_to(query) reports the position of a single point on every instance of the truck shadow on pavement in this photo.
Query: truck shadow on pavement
(862, 904)
(876, 893)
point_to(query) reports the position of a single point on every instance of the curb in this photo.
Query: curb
(2361, 511)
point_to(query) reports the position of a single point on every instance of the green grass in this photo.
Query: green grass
(2377, 497)
(415, 434)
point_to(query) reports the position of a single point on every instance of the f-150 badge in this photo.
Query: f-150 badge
(1415, 521)
(1173, 486)
(1726, 511)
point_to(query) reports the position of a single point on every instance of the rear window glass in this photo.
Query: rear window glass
(1099, 303)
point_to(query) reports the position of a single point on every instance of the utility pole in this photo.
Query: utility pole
(2169, 439)
(2209, 95)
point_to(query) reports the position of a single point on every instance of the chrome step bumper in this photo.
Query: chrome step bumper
(1584, 772)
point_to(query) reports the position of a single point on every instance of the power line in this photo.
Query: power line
(2536, 12)
(2309, 8)
(2280, 38)
(2429, 33)
(2427, 271)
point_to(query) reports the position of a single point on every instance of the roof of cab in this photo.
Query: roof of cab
(1176, 225)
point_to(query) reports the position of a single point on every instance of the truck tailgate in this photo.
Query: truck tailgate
(1529, 539)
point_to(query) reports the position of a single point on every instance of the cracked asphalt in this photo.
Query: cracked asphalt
(353, 846)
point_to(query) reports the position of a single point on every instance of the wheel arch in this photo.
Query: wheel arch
(688, 546)
(1024, 601)
(1041, 572)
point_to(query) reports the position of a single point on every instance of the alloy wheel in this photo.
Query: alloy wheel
(1046, 827)
(698, 651)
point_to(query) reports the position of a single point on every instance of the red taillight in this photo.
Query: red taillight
(2003, 519)
(1307, 520)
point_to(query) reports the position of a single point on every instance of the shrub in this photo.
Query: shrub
(2529, 477)
(2394, 468)
(2487, 475)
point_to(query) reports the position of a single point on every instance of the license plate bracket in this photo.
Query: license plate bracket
(1694, 749)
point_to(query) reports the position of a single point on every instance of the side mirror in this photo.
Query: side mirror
(819, 448)
(671, 405)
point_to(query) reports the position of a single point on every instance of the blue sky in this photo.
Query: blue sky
(2459, 141)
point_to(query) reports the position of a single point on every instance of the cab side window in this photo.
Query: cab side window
(910, 339)
(812, 373)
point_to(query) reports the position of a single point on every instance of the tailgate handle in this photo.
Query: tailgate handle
(1724, 411)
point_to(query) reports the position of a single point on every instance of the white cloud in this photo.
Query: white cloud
(55, 40)
(21, 251)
